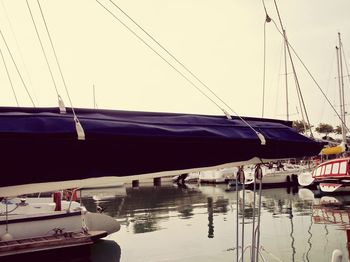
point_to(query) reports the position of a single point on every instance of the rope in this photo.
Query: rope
(243, 213)
(260, 136)
(79, 128)
(20, 76)
(43, 50)
(7, 211)
(9, 77)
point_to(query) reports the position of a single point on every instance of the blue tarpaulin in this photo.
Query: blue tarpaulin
(41, 145)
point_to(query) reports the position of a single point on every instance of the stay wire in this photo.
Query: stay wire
(346, 64)
(172, 66)
(58, 64)
(243, 215)
(172, 56)
(293, 68)
(264, 71)
(263, 2)
(42, 48)
(20, 76)
(9, 77)
(312, 77)
(252, 256)
(157, 53)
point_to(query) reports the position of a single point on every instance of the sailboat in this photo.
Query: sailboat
(333, 175)
(276, 174)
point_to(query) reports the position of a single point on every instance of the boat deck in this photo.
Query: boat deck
(46, 243)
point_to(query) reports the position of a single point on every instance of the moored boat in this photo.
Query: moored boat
(330, 176)
(22, 218)
(275, 174)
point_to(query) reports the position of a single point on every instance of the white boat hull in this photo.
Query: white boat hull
(37, 217)
(334, 187)
(274, 176)
(47, 225)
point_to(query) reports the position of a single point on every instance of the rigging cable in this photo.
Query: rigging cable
(78, 126)
(157, 53)
(237, 218)
(346, 64)
(20, 76)
(18, 49)
(260, 136)
(60, 101)
(264, 72)
(278, 79)
(293, 68)
(172, 56)
(309, 73)
(9, 77)
(243, 214)
(341, 90)
(286, 75)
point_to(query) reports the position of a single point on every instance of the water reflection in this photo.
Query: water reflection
(334, 210)
(210, 218)
(295, 226)
(106, 251)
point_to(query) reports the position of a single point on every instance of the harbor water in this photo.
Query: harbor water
(194, 222)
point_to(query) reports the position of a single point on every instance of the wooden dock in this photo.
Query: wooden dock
(42, 244)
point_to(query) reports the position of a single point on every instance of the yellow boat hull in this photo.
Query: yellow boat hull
(333, 150)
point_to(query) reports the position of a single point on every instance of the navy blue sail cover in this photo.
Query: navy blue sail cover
(41, 145)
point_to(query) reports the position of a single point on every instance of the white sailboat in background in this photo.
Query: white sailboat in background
(276, 174)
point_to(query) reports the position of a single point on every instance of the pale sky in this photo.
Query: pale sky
(220, 41)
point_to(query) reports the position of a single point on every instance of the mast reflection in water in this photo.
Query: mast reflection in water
(176, 223)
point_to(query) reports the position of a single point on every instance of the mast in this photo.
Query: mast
(286, 71)
(341, 88)
(300, 96)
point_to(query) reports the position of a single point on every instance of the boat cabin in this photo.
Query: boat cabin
(332, 169)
